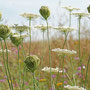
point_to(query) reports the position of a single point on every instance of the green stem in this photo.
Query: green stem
(6, 71)
(34, 80)
(87, 72)
(8, 65)
(29, 36)
(49, 53)
(19, 70)
(63, 74)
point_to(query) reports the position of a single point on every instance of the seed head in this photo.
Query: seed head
(88, 8)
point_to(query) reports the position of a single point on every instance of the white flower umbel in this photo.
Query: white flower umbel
(43, 27)
(69, 8)
(65, 29)
(29, 15)
(55, 70)
(23, 35)
(68, 87)
(81, 14)
(64, 51)
(4, 50)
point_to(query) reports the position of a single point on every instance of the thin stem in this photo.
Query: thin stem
(29, 36)
(34, 80)
(87, 72)
(49, 53)
(70, 19)
(63, 74)
(6, 71)
(8, 65)
(19, 70)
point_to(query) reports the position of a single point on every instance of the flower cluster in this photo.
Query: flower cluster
(29, 16)
(64, 51)
(5, 50)
(69, 8)
(65, 29)
(68, 87)
(54, 70)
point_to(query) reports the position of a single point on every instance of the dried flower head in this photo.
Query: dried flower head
(65, 29)
(32, 62)
(54, 70)
(29, 16)
(5, 31)
(4, 50)
(81, 14)
(64, 51)
(42, 27)
(20, 29)
(69, 8)
(16, 39)
(88, 8)
(0, 15)
(68, 87)
(45, 12)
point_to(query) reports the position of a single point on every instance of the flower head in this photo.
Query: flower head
(64, 51)
(69, 8)
(54, 70)
(5, 50)
(65, 29)
(42, 27)
(4, 31)
(29, 16)
(16, 39)
(88, 8)
(20, 29)
(42, 80)
(80, 14)
(68, 87)
(59, 84)
(32, 62)
(45, 12)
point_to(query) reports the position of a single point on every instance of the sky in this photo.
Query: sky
(11, 9)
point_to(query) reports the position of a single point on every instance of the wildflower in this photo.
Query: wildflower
(68, 87)
(47, 69)
(16, 39)
(79, 74)
(80, 14)
(88, 8)
(42, 27)
(20, 29)
(4, 31)
(42, 80)
(5, 50)
(29, 16)
(76, 58)
(59, 84)
(45, 12)
(65, 29)
(64, 51)
(53, 76)
(32, 62)
(0, 15)
(2, 80)
(69, 8)
(20, 61)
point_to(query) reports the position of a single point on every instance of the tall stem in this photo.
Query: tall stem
(6, 71)
(87, 72)
(63, 74)
(29, 36)
(70, 19)
(34, 80)
(19, 70)
(49, 53)
(8, 65)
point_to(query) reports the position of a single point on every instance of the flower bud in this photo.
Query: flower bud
(32, 62)
(16, 40)
(4, 31)
(88, 8)
(45, 12)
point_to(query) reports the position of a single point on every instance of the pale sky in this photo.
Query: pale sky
(11, 9)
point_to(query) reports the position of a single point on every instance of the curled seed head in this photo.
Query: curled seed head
(32, 62)
(5, 31)
(45, 12)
